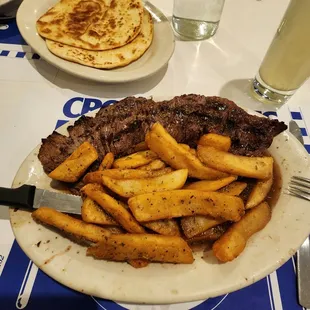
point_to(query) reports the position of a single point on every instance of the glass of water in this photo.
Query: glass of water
(197, 19)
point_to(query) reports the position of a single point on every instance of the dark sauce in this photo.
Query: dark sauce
(274, 194)
(275, 191)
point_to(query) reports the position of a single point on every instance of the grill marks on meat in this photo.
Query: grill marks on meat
(119, 127)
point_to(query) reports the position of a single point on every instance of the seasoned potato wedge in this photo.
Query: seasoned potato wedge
(234, 188)
(142, 146)
(195, 225)
(70, 225)
(76, 164)
(138, 263)
(156, 248)
(131, 187)
(92, 213)
(107, 161)
(167, 148)
(178, 203)
(234, 240)
(156, 164)
(259, 193)
(211, 185)
(219, 142)
(164, 227)
(212, 234)
(135, 160)
(252, 167)
(193, 152)
(116, 230)
(114, 208)
(96, 176)
(185, 146)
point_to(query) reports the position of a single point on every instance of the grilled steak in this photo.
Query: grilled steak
(119, 127)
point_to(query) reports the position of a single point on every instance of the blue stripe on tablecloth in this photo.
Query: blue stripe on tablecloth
(4, 53)
(35, 56)
(296, 115)
(20, 54)
(303, 131)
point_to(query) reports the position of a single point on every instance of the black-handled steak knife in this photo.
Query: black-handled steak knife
(30, 197)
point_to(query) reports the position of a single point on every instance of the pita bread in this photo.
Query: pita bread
(92, 24)
(118, 57)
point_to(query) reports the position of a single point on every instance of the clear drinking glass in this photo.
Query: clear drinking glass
(197, 19)
(286, 65)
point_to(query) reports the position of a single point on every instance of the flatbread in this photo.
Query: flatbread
(118, 57)
(92, 24)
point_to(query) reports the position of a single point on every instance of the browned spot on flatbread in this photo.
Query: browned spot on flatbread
(56, 21)
(46, 30)
(113, 4)
(39, 22)
(90, 58)
(83, 14)
(94, 46)
(112, 23)
(134, 5)
(94, 34)
(120, 57)
(96, 19)
(50, 12)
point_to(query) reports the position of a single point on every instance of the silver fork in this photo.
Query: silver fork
(299, 187)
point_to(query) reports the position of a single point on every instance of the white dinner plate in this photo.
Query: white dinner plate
(155, 58)
(266, 251)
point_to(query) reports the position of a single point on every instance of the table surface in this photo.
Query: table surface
(36, 98)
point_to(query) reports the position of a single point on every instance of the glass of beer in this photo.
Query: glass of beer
(286, 65)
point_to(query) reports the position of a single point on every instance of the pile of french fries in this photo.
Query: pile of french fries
(151, 206)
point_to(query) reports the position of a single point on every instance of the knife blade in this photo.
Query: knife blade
(303, 254)
(30, 197)
(295, 131)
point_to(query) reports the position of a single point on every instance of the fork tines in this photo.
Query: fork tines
(300, 187)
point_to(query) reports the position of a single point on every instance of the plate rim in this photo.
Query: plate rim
(177, 299)
(106, 77)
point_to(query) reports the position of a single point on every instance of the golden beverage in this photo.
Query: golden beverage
(286, 65)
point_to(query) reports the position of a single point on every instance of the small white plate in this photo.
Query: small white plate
(67, 262)
(155, 58)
